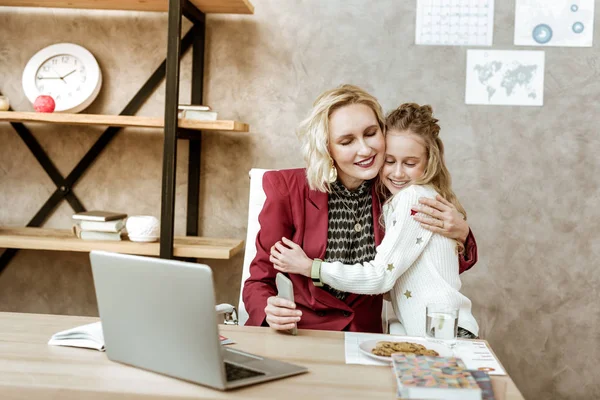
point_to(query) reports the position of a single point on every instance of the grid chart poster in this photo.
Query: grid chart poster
(455, 22)
(503, 77)
(568, 23)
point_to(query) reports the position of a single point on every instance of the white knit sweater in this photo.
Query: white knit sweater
(417, 266)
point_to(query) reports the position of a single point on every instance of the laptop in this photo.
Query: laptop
(159, 315)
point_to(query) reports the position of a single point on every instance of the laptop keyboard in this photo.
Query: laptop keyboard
(235, 372)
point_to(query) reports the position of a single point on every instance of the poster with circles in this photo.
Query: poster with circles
(568, 23)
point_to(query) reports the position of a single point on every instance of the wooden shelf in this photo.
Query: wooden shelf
(63, 240)
(119, 120)
(206, 6)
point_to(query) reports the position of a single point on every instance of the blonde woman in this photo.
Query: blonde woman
(330, 210)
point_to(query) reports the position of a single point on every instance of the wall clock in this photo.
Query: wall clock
(67, 72)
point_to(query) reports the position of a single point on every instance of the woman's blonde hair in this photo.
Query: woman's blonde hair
(419, 121)
(313, 132)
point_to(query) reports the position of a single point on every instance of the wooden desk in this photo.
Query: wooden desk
(30, 369)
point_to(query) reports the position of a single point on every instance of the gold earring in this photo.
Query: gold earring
(332, 171)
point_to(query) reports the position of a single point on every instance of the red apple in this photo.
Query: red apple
(44, 104)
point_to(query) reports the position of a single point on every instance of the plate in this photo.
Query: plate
(367, 346)
(143, 238)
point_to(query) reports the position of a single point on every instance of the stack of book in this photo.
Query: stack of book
(196, 112)
(99, 225)
(428, 377)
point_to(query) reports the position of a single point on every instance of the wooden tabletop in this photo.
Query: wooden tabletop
(29, 368)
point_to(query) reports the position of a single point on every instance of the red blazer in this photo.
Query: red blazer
(294, 211)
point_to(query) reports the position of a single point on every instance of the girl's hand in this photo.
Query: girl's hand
(290, 259)
(442, 217)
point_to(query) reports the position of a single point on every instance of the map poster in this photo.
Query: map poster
(502, 77)
(554, 23)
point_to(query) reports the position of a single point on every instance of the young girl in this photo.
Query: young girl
(416, 266)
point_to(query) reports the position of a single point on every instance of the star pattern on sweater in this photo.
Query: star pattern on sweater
(413, 212)
(390, 267)
(408, 294)
(394, 223)
(419, 240)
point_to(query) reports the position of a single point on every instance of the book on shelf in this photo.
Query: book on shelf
(90, 336)
(198, 115)
(429, 377)
(102, 226)
(94, 235)
(194, 107)
(98, 216)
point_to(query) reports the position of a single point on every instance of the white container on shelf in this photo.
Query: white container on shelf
(143, 228)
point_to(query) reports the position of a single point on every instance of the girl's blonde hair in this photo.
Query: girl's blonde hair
(313, 132)
(419, 120)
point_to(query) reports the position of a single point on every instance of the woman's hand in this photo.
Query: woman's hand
(442, 217)
(290, 259)
(281, 313)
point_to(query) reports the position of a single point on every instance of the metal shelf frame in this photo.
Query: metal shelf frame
(169, 70)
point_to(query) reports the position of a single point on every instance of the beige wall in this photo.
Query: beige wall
(528, 176)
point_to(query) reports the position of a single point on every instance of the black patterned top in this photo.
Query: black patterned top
(350, 237)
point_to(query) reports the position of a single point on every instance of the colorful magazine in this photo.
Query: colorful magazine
(428, 377)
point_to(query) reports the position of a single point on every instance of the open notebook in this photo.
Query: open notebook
(90, 337)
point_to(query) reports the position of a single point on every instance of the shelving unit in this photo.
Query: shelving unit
(205, 6)
(63, 240)
(191, 245)
(120, 120)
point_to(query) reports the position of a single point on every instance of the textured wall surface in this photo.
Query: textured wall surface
(527, 176)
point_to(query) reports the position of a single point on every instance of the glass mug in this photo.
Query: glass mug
(441, 324)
